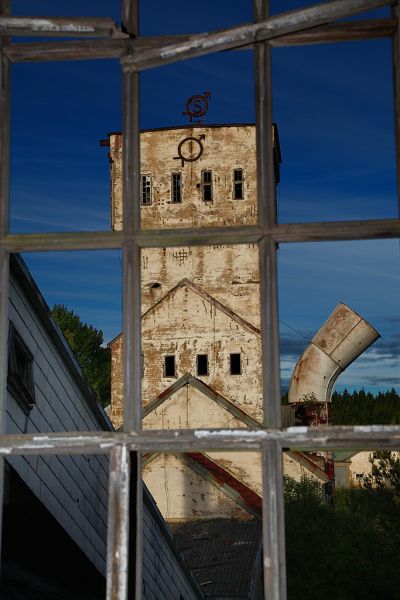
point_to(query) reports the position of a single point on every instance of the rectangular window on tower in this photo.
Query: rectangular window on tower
(145, 191)
(238, 184)
(206, 177)
(202, 364)
(176, 187)
(169, 366)
(235, 364)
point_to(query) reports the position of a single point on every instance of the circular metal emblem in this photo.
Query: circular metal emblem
(190, 149)
(197, 106)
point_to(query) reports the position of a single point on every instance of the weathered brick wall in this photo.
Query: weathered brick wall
(228, 273)
(225, 148)
(117, 387)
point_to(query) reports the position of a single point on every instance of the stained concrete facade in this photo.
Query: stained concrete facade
(220, 149)
(199, 301)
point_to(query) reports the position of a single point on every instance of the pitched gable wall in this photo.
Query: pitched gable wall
(183, 494)
(185, 324)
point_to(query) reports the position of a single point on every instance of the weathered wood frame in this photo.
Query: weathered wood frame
(306, 26)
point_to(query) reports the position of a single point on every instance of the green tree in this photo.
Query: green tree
(347, 550)
(363, 408)
(385, 471)
(86, 342)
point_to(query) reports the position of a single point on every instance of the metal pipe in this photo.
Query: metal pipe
(341, 339)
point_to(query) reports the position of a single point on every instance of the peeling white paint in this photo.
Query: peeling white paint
(203, 433)
(372, 428)
(300, 429)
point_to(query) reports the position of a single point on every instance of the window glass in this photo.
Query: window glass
(176, 189)
(238, 184)
(207, 185)
(146, 189)
(20, 376)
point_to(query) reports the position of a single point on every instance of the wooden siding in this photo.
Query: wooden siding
(73, 488)
(165, 577)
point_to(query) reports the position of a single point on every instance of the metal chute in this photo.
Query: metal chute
(341, 339)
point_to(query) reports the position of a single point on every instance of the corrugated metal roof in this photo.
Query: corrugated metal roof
(221, 553)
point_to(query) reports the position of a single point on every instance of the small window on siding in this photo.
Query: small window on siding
(202, 364)
(176, 187)
(238, 184)
(206, 178)
(235, 364)
(145, 191)
(20, 370)
(169, 366)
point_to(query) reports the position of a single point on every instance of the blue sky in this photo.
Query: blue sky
(333, 106)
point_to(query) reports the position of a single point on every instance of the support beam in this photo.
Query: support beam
(115, 48)
(236, 37)
(273, 523)
(396, 92)
(360, 437)
(58, 26)
(5, 8)
(118, 523)
(281, 233)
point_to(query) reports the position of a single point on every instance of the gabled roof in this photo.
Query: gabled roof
(225, 481)
(223, 555)
(208, 298)
(304, 459)
(188, 379)
(219, 477)
(205, 389)
(345, 455)
(19, 269)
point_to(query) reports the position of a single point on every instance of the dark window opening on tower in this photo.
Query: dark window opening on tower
(169, 366)
(146, 190)
(202, 364)
(207, 185)
(176, 187)
(235, 364)
(238, 184)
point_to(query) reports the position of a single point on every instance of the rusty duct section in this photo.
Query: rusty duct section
(341, 339)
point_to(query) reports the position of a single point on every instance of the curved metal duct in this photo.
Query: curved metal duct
(341, 339)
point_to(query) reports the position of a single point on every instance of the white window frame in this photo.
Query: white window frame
(303, 26)
(146, 189)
